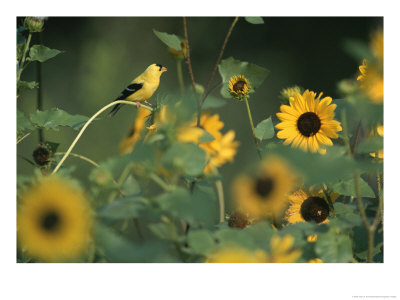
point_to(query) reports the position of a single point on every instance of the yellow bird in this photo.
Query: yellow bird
(142, 87)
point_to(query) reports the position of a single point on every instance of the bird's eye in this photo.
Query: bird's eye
(160, 66)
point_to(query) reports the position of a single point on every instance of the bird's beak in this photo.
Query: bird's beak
(164, 69)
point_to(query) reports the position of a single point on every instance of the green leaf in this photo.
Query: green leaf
(200, 241)
(171, 40)
(42, 53)
(254, 20)
(213, 102)
(186, 156)
(164, 231)
(23, 125)
(206, 137)
(370, 145)
(265, 129)
(123, 208)
(53, 118)
(360, 239)
(334, 248)
(358, 50)
(347, 216)
(23, 86)
(131, 186)
(231, 67)
(346, 187)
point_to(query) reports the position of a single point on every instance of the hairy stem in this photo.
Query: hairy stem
(88, 123)
(21, 66)
(252, 127)
(188, 61)
(180, 76)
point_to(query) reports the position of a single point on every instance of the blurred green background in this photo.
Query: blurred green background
(102, 55)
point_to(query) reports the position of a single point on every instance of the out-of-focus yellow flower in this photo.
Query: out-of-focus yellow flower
(287, 93)
(131, 139)
(312, 238)
(309, 206)
(281, 250)
(307, 123)
(179, 54)
(220, 150)
(237, 255)
(266, 194)
(316, 261)
(379, 130)
(54, 220)
(371, 77)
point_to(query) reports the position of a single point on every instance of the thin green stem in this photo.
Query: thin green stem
(22, 138)
(221, 201)
(88, 123)
(353, 148)
(124, 175)
(21, 66)
(252, 127)
(180, 76)
(345, 132)
(188, 61)
(40, 89)
(160, 182)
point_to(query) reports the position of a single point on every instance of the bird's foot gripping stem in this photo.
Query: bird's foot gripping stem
(137, 104)
(149, 104)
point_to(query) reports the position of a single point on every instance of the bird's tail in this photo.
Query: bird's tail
(115, 109)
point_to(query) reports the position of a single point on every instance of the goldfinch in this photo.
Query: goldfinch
(142, 87)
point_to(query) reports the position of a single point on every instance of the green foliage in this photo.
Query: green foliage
(231, 67)
(24, 126)
(42, 53)
(123, 208)
(206, 137)
(23, 86)
(54, 118)
(188, 157)
(171, 40)
(346, 187)
(332, 247)
(265, 129)
(200, 241)
(371, 145)
(254, 20)
(358, 50)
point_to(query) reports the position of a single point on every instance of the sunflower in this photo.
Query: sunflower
(264, 195)
(239, 86)
(308, 122)
(54, 220)
(281, 250)
(309, 206)
(131, 139)
(379, 130)
(239, 220)
(289, 92)
(237, 254)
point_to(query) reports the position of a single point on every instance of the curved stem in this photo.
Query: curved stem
(160, 182)
(87, 159)
(88, 123)
(221, 201)
(22, 138)
(252, 127)
(221, 52)
(188, 61)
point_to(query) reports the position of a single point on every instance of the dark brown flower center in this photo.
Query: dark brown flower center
(264, 186)
(239, 86)
(314, 209)
(308, 124)
(50, 221)
(238, 220)
(41, 155)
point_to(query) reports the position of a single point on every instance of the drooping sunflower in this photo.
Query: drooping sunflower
(309, 206)
(133, 136)
(281, 250)
(239, 86)
(316, 261)
(266, 194)
(237, 254)
(54, 220)
(308, 122)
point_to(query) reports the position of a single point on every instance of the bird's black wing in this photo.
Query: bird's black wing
(129, 90)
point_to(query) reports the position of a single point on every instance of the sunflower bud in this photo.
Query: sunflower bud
(41, 155)
(33, 24)
(238, 220)
(289, 92)
(179, 54)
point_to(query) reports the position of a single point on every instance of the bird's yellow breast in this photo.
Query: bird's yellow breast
(150, 85)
